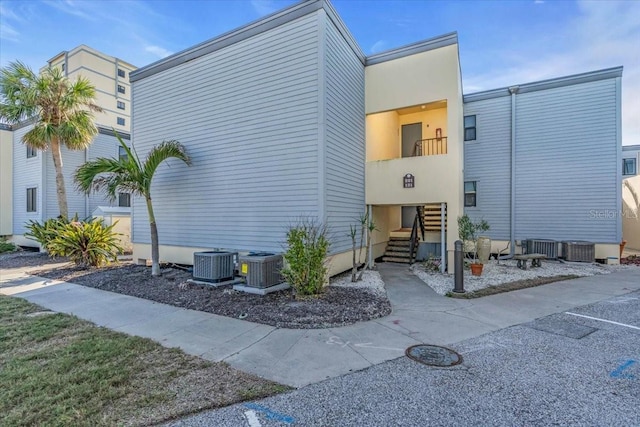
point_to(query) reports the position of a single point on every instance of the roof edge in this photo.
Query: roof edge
(590, 76)
(229, 38)
(413, 48)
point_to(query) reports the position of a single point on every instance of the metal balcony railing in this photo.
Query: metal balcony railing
(430, 147)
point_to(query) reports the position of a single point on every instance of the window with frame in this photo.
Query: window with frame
(470, 128)
(32, 199)
(124, 200)
(629, 167)
(121, 73)
(470, 193)
(31, 152)
(121, 121)
(120, 105)
(122, 153)
(121, 89)
(63, 66)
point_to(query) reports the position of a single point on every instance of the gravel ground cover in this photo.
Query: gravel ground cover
(342, 303)
(507, 272)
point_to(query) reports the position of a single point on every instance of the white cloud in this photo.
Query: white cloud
(158, 51)
(8, 33)
(603, 35)
(264, 7)
(379, 46)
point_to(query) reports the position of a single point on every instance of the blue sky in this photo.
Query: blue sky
(501, 42)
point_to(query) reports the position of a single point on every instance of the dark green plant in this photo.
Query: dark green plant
(87, 243)
(47, 231)
(130, 174)
(468, 232)
(305, 258)
(6, 246)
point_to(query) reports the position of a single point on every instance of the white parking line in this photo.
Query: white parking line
(252, 418)
(604, 320)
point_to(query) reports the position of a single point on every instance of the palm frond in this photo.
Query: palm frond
(164, 151)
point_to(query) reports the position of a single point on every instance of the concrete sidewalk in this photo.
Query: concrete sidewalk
(298, 357)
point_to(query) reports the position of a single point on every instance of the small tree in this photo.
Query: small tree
(367, 227)
(306, 257)
(130, 174)
(468, 232)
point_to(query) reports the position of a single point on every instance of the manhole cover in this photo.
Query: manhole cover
(433, 355)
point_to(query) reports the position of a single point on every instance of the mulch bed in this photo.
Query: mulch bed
(336, 306)
(631, 260)
(23, 259)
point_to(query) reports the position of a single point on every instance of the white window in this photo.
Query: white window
(121, 121)
(120, 105)
(629, 167)
(32, 199)
(469, 193)
(469, 128)
(31, 152)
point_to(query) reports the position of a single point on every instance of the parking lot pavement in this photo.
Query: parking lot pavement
(577, 367)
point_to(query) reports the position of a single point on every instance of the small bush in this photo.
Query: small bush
(88, 243)
(307, 248)
(6, 246)
(47, 231)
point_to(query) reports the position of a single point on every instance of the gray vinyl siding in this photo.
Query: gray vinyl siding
(248, 115)
(71, 159)
(102, 146)
(567, 163)
(344, 136)
(487, 161)
(27, 173)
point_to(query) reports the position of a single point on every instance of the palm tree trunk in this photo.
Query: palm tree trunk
(155, 250)
(61, 191)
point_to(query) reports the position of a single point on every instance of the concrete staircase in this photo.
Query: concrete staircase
(398, 250)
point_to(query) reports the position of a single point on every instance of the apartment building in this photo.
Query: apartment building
(28, 185)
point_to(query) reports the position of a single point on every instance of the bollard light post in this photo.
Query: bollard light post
(458, 264)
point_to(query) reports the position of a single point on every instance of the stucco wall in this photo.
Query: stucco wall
(6, 182)
(631, 212)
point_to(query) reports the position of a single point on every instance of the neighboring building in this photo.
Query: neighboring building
(33, 177)
(630, 160)
(543, 159)
(6, 173)
(110, 77)
(286, 117)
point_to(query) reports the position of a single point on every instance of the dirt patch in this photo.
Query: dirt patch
(336, 306)
(512, 286)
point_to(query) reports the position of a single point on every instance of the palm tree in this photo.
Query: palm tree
(128, 173)
(62, 111)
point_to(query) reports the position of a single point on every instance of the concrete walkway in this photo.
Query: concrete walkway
(298, 357)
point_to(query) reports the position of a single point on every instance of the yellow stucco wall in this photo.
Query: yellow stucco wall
(101, 70)
(383, 141)
(631, 213)
(6, 181)
(420, 79)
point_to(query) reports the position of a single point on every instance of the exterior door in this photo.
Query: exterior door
(410, 134)
(408, 215)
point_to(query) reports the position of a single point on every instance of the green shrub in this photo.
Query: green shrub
(307, 248)
(47, 231)
(87, 243)
(6, 246)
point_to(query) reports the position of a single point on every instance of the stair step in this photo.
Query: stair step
(394, 255)
(393, 259)
(399, 239)
(403, 249)
(399, 243)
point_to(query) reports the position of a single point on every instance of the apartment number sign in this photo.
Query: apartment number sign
(408, 181)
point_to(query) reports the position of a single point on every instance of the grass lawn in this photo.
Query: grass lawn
(56, 369)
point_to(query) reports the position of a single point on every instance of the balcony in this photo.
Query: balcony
(430, 147)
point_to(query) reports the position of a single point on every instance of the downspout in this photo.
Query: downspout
(512, 204)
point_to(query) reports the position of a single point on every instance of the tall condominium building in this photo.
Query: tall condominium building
(109, 75)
